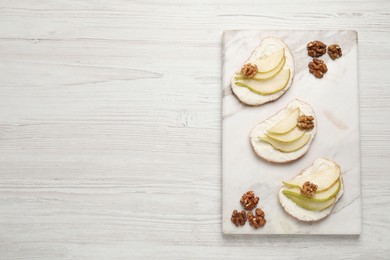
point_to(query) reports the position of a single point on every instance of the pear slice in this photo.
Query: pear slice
(287, 124)
(288, 137)
(270, 62)
(269, 86)
(312, 205)
(318, 197)
(324, 173)
(287, 147)
(266, 75)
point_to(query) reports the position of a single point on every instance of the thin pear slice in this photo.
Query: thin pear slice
(287, 124)
(287, 147)
(318, 197)
(266, 75)
(288, 137)
(267, 87)
(312, 205)
(270, 62)
(323, 173)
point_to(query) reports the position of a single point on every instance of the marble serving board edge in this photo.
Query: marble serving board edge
(335, 99)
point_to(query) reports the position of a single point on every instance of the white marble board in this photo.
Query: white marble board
(335, 100)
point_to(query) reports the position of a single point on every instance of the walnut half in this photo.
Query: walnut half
(257, 220)
(316, 49)
(308, 189)
(318, 68)
(249, 200)
(238, 218)
(305, 122)
(249, 70)
(334, 51)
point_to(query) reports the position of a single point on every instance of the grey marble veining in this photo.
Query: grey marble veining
(335, 101)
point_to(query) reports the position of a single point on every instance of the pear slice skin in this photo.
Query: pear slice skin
(287, 147)
(270, 62)
(318, 197)
(266, 75)
(288, 137)
(267, 87)
(312, 205)
(324, 179)
(287, 124)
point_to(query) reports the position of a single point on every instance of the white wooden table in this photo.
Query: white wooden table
(110, 128)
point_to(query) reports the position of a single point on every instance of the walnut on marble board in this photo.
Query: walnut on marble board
(316, 49)
(258, 220)
(318, 68)
(334, 51)
(238, 218)
(249, 200)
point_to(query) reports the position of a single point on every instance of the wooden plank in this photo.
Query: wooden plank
(110, 127)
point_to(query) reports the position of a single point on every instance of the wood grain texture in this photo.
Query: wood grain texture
(110, 128)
